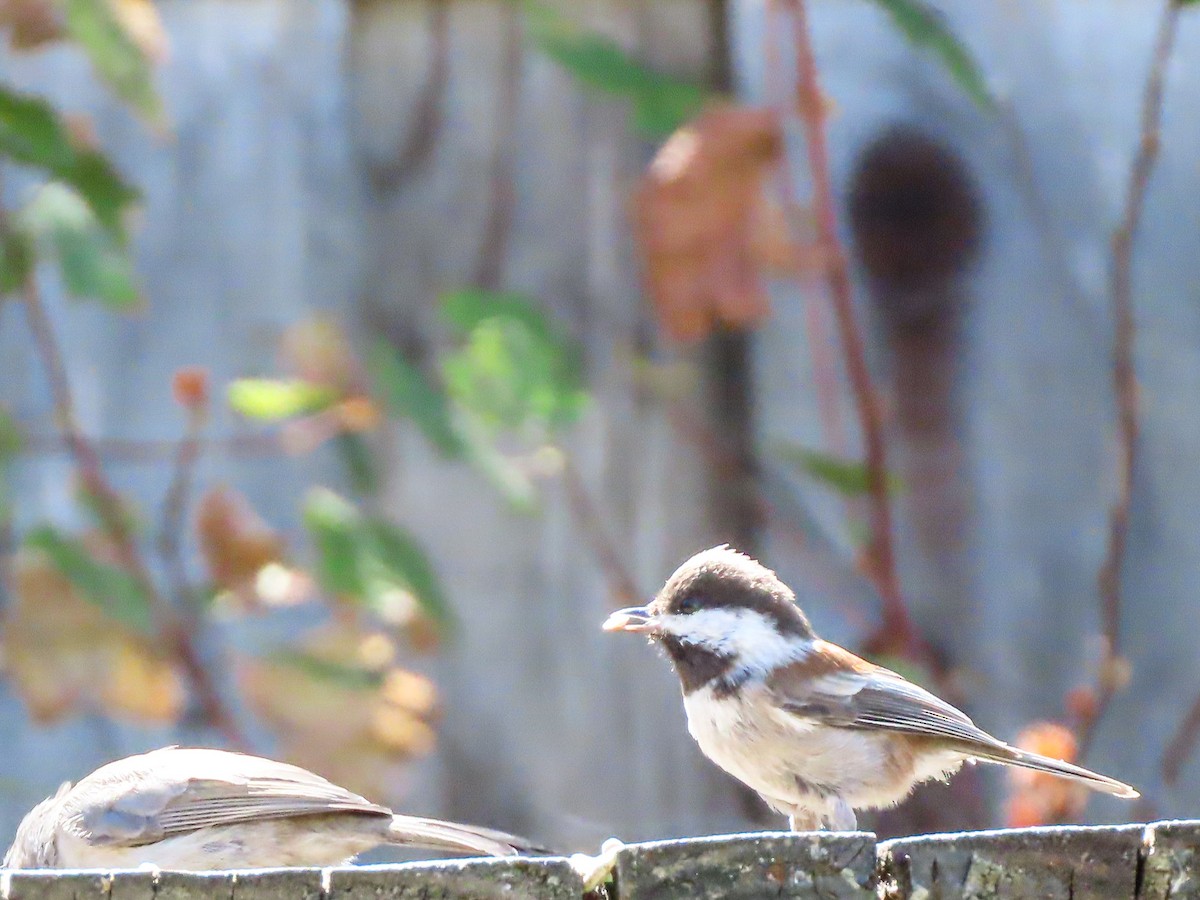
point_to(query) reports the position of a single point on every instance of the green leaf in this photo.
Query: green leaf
(111, 588)
(272, 399)
(661, 103)
(117, 58)
(397, 560)
(17, 259)
(513, 371)
(352, 677)
(847, 477)
(33, 134)
(11, 438)
(93, 263)
(336, 528)
(360, 466)
(407, 393)
(924, 26)
(371, 561)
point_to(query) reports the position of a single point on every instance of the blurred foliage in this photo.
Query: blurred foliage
(661, 104)
(925, 27)
(848, 477)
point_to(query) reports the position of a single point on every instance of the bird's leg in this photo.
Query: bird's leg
(804, 820)
(841, 816)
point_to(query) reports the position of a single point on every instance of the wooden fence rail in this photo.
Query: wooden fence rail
(1158, 861)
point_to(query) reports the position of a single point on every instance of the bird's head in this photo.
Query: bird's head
(721, 612)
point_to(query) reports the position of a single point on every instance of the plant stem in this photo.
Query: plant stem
(171, 631)
(896, 631)
(1123, 373)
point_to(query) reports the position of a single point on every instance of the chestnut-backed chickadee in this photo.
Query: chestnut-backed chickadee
(814, 729)
(212, 809)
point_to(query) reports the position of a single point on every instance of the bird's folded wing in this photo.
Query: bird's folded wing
(837, 688)
(155, 798)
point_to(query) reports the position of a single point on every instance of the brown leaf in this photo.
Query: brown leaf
(189, 387)
(64, 655)
(1039, 798)
(319, 351)
(694, 213)
(384, 713)
(32, 22)
(237, 544)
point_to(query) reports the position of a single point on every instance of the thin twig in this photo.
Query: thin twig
(896, 631)
(175, 504)
(816, 320)
(152, 450)
(1181, 745)
(171, 632)
(497, 227)
(1110, 679)
(591, 525)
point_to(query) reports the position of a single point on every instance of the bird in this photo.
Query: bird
(202, 809)
(815, 730)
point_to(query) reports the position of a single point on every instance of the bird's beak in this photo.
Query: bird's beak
(634, 618)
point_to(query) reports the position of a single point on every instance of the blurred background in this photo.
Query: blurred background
(357, 358)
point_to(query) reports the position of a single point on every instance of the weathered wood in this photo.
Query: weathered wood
(54, 885)
(749, 866)
(476, 879)
(1071, 863)
(1171, 864)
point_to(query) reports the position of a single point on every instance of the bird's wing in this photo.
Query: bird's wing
(174, 791)
(835, 687)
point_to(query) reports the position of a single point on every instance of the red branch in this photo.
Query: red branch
(1112, 668)
(896, 631)
(171, 631)
(591, 525)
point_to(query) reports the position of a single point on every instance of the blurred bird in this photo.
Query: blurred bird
(211, 809)
(814, 729)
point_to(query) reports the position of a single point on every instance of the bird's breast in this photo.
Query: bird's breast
(792, 759)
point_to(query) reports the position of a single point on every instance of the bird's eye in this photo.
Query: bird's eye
(688, 605)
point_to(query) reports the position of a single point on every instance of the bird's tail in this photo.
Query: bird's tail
(1014, 756)
(432, 834)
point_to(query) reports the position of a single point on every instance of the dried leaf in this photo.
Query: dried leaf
(1039, 798)
(235, 541)
(319, 352)
(64, 655)
(109, 587)
(189, 387)
(340, 673)
(31, 23)
(694, 214)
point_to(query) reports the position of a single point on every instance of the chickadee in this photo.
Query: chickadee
(814, 729)
(212, 809)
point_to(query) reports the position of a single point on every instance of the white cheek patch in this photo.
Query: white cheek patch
(743, 634)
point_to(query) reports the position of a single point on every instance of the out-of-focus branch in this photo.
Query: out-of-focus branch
(497, 228)
(816, 321)
(1112, 667)
(171, 630)
(591, 525)
(150, 450)
(896, 631)
(175, 505)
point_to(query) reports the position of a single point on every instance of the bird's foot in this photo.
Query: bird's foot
(595, 870)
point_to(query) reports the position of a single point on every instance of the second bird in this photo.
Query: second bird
(814, 729)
